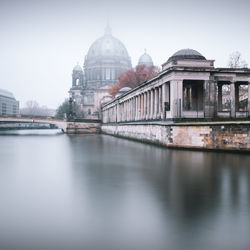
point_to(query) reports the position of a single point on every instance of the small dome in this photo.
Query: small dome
(77, 68)
(186, 54)
(125, 89)
(145, 59)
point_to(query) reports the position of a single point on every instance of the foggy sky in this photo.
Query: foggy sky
(41, 41)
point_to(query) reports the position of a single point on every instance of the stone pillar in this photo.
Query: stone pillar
(220, 97)
(209, 100)
(163, 113)
(248, 99)
(232, 98)
(142, 106)
(156, 103)
(117, 111)
(132, 108)
(151, 103)
(125, 110)
(237, 97)
(148, 100)
(133, 117)
(160, 102)
(129, 110)
(145, 105)
(139, 107)
(135, 108)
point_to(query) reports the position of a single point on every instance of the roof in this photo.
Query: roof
(145, 59)
(108, 46)
(6, 93)
(186, 54)
(125, 89)
(77, 68)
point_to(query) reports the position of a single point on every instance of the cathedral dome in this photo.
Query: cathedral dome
(145, 59)
(107, 58)
(186, 54)
(107, 46)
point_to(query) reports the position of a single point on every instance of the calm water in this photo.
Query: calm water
(100, 192)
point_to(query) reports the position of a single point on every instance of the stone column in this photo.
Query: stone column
(163, 113)
(151, 103)
(134, 108)
(248, 99)
(160, 102)
(145, 105)
(156, 103)
(236, 97)
(220, 97)
(139, 107)
(147, 113)
(129, 110)
(142, 106)
(125, 111)
(232, 98)
(209, 100)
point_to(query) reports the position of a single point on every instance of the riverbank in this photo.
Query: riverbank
(231, 136)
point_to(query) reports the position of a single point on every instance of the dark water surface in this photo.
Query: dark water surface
(101, 192)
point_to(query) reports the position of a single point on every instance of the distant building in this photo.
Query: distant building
(106, 59)
(145, 59)
(8, 104)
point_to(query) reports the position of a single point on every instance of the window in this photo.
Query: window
(4, 108)
(14, 109)
(89, 111)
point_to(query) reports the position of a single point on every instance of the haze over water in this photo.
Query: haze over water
(101, 192)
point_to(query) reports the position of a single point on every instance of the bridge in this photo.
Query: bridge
(12, 121)
(76, 126)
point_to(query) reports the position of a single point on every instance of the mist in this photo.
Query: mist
(41, 41)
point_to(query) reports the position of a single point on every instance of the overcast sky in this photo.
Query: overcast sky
(42, 40)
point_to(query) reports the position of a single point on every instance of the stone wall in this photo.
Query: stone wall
(217, 136)
(83, 127)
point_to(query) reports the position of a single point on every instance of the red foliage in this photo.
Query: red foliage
(134, 77)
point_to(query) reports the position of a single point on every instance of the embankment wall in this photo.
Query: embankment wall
(83, 127)
(211, 136)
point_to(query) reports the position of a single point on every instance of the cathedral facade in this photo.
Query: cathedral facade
(106, 59)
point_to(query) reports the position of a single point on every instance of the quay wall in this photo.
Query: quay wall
(83, 127)
(210, 136)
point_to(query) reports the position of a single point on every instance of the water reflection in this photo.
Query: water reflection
(101, 192)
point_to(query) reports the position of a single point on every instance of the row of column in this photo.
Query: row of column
(144, 106)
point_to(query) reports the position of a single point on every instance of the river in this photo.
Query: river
(100, 192)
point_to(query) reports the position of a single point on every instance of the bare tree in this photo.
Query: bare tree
(32, 108)
(236, 61)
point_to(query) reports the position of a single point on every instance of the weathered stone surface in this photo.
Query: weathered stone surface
(82, 128)
(209, 136)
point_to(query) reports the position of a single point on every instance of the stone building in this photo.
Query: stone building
(8, 104)
(189, 86)
(107, 57)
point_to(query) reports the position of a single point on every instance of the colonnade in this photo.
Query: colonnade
(145, 105)
(153, 102)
